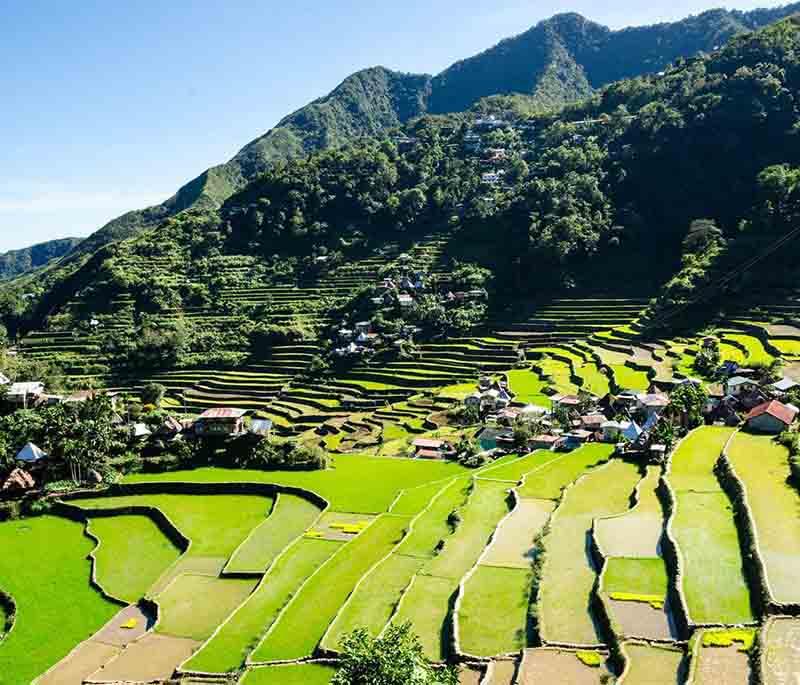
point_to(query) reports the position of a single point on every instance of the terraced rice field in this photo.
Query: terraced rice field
(780, 657)
(653, 664)
(131, 555)
(568, 576)
(763, 467)
(456, 552)
(720, 658)
(704, 529)
(43, 566)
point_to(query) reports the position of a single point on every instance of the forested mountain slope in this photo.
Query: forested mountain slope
(16, 262)
(558, 61)
(676, 178)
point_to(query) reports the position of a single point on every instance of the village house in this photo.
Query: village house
(405, 300)
(739, 385)
(25, 394)
(140, 431)
(494, 438)
(564, 403)
(546, 442)
(771, 417)
(651, 403)
(262, 427)
(31, 454)
(4, 380)
(783, 386)
(592, 422)
(169, 429)
(427, 448)
(220, 422)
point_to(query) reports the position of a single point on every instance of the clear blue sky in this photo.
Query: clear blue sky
(111, 106)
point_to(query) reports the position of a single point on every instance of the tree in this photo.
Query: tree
(396, 658)
(688, 401)
(153, 393)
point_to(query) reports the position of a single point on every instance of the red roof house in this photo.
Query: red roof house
(771, 417)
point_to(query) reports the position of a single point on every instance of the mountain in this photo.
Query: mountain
(560, 60)
(664, 185)
(17, 262)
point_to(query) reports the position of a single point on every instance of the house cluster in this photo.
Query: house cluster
(31, 462)
(627, 419)
(32, 394)
(740, 397)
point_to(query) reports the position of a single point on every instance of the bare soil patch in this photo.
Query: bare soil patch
(650, 665)
(80, 664)
(555, 666)
(639, 619)
(781, 659)
(154, 657)
(115, 633)
(722, 666)
(503, 673)
(470, 676)
(513, 541)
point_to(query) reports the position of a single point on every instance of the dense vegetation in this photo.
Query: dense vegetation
(558, 61)
(17, 262)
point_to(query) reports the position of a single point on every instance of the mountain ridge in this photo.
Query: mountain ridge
(559, 60)
(16, 262)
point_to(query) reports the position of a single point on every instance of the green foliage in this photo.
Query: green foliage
(153, 393)
(688, 400)
(395, 658)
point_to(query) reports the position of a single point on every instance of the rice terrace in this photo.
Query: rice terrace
(484, 378)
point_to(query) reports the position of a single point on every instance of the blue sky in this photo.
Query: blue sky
(111, 106)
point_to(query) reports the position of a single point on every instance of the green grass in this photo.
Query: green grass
(43, 566)
(547, 483)
(745, 637)
(356, 483)
(413, 501)
(432, 527)
(567, 578)
(298, 631)
(216, 524)
(594, 381)
(786, 346)
(693, 463)
(192, 606)
(426, 604)
(513, 470)
(756, 354)
(704, 529)
(528, 387)
(637, 576)
(630, 379)
(713, 581)
(457, 392)
(393, 431)
(297, 674)
(227, 650)
(290, 518)
(373, 602)
(494, 611)
(763, 466)
(132, 554)
(486, 506)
